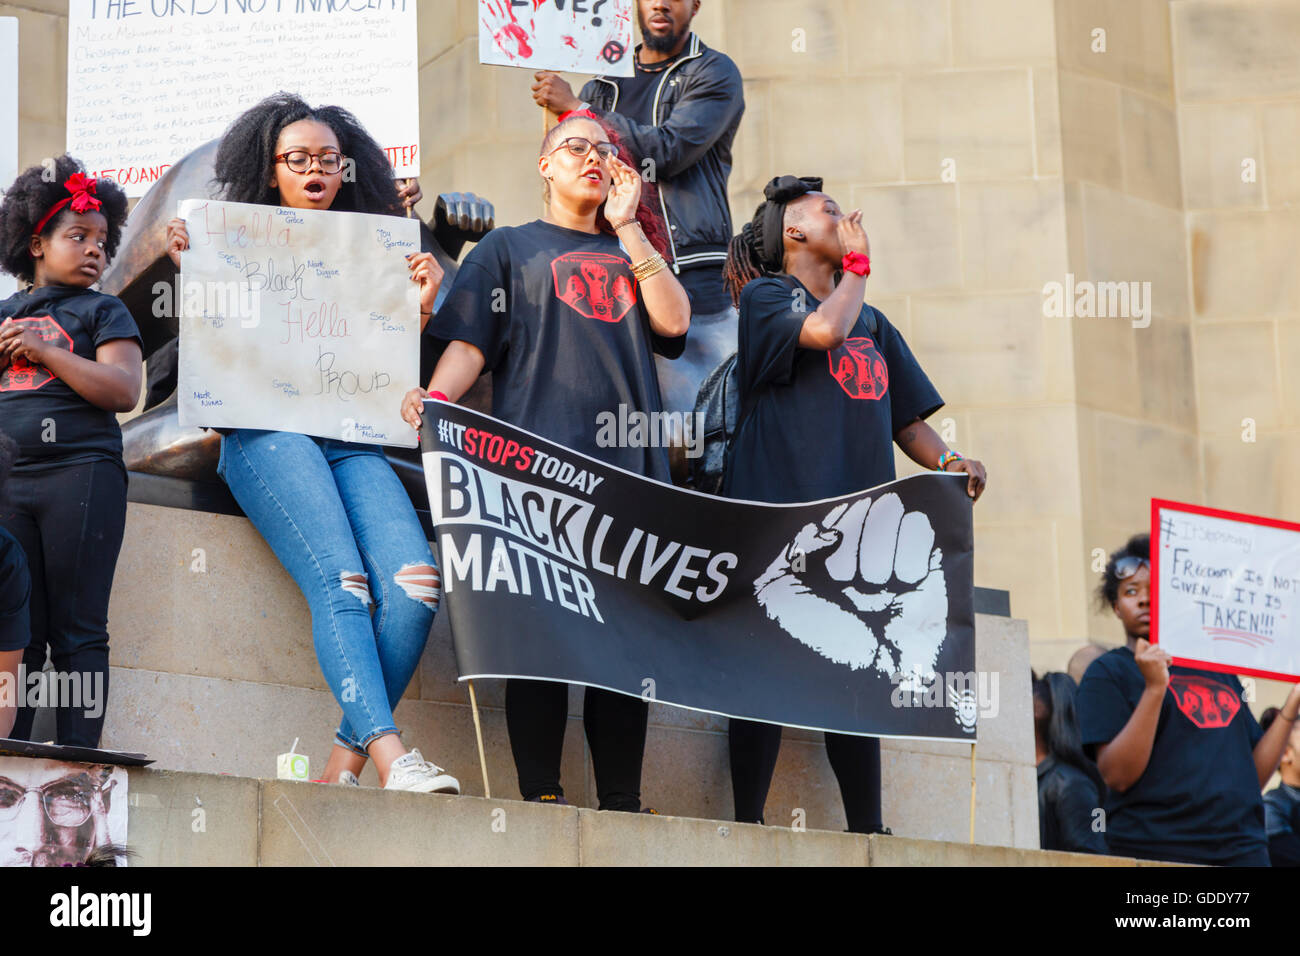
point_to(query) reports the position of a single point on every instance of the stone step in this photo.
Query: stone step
(214, 672)
(195, 819)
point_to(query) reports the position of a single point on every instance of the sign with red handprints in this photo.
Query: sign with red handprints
(574, 36)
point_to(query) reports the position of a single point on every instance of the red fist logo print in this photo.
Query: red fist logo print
(595, 284)
(860, 368)
(21, 375)
(1207, 703)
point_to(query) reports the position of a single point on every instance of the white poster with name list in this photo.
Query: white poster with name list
(1226, 593)
(298, 320)
(151, 80)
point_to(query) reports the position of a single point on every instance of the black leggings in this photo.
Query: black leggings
(69, 521)
(855, 760)
(536, 715)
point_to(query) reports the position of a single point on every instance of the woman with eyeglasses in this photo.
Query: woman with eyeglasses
(567, 313)
(334, 512)
(1182, 754)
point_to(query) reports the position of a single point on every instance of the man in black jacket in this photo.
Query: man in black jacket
(679, 114)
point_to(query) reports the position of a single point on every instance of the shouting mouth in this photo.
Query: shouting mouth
(314, 190)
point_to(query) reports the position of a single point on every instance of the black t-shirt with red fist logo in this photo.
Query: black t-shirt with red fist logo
(559, 319)
(1198, 798)
(51, 423)
(820, 424)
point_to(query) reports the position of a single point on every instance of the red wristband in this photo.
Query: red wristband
(439, 396)
(857, 263)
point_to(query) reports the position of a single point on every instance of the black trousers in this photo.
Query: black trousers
(855, 760)
(69, 521)
(536, 715)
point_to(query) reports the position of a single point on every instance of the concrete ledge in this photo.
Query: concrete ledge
(214, 671)
(198, 819)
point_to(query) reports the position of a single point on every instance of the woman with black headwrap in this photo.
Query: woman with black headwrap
(826, 384)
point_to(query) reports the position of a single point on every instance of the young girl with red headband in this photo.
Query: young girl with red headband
(69, 360)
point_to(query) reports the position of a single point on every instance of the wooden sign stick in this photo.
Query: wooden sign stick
(972, 792)
(478, 733)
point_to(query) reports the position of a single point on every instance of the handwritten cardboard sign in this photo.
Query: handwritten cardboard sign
(298, 320)
(151, 80)
(1226, 590)
(575, 36)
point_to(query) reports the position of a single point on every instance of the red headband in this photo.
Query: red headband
(82, 199)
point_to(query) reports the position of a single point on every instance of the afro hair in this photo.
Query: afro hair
(246, 157)
(30, 197)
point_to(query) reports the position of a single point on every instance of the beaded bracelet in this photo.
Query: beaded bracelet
(625, 222)
(948, 458)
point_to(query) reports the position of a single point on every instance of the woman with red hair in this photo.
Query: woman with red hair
(567, 312)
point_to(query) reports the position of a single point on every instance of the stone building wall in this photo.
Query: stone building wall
(994, 146)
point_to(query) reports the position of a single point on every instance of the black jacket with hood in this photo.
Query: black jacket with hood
(695, 113)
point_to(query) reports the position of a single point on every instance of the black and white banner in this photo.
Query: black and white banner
(851, 614)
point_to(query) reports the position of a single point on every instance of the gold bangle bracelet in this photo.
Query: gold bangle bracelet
(648, 267)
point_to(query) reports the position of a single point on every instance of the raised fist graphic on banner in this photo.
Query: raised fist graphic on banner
(864, 588)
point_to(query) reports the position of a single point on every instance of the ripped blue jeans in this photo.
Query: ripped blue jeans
(342, 525)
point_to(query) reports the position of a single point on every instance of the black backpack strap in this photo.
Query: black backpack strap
(746, 407)
(873, 321)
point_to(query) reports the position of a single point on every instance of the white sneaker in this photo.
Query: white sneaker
(348, 779)
(412, 772)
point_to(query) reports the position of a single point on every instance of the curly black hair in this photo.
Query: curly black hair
(1138, 546)
(28, 200)
(246, 157)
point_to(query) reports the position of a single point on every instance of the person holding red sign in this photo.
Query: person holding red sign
(69, 362)
(1182, 754)
(567, 313)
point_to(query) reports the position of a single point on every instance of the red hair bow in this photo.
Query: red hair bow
(83, 190)
(82, 199)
